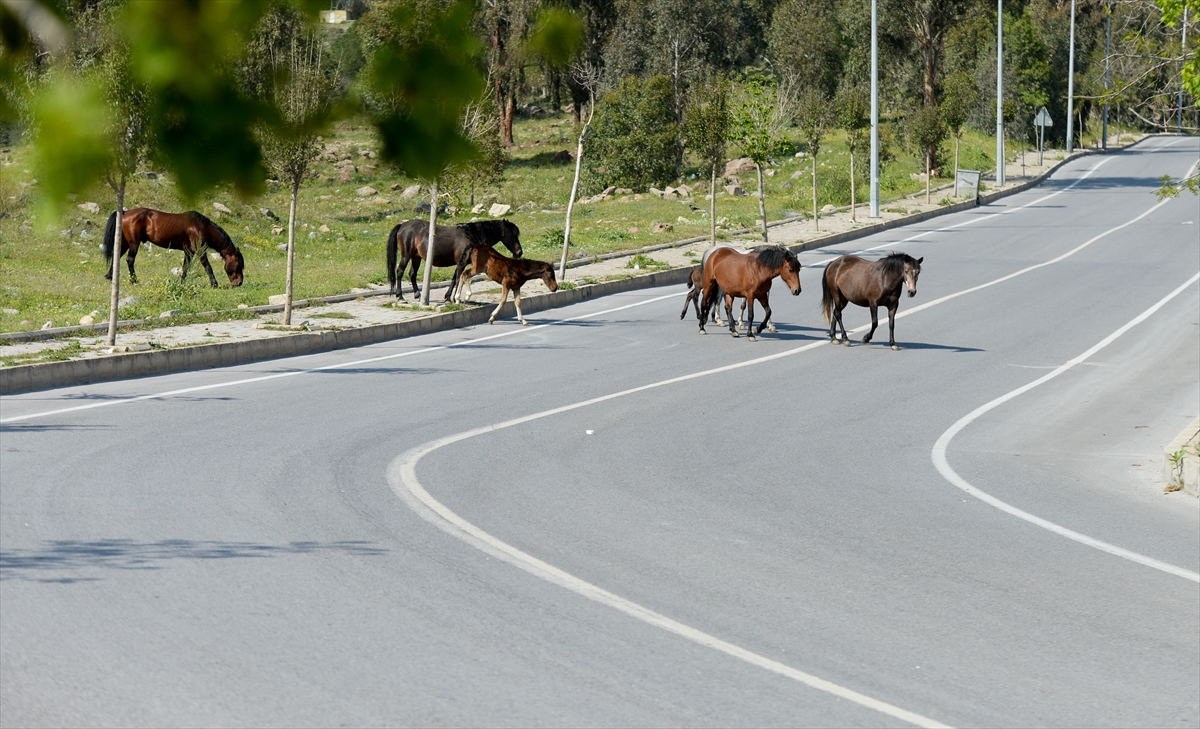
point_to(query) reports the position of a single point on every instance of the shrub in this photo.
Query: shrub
(632, 141)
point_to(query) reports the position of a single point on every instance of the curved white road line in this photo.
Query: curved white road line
(356, 363)
(944, 468)
(402, 477)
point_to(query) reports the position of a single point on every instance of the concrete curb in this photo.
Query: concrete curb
(47, 375)
(1184, 471)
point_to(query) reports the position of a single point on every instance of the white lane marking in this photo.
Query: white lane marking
(402, 478)
(355, 363)
(944, 468)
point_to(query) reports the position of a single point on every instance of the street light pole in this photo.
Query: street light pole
(874, 109)
(999, 93)
(1107, 41)
(1183, 56)
(1071, 84)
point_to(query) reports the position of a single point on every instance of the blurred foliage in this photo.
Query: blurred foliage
(557, 37)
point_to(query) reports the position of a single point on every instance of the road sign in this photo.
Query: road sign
(966, 184)
(1041, 121)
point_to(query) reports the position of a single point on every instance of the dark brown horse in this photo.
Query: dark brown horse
(189, 232)
(407, 242)
(852, 280)
(749, 276)
(510, 273)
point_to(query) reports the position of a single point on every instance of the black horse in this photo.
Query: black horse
(853, 280)
(408, 242)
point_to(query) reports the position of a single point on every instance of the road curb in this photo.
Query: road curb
(48, 375)
(1181, 465)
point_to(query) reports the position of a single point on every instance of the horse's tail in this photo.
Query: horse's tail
(110, 238)
(826, 298)
(392, 246)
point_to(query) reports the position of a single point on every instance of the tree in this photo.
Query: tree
(481, 126)
(804, 43)
(761, 113)
(588, 77)
(814, 115)
(283, 68)
(854, 118)
(926, 130)
(706, 131)
(959, 97)
(506, 23)
(633, 135)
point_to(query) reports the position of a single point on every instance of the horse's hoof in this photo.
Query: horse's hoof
(735, 334)
(866, 340)
(702, 332)
(772, 329)
(491, 321)
(847, 343)
(750, 337)
(895, 348)
(524, 323)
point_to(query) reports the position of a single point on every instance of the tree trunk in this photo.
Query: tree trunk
(816, 214)
(291, 253)
(562, 268)
(956, 159)
(428, 276)
(853, 199)
(928, 177)
(115, 295)
(507, 104)
(712, 205)
(762, 201)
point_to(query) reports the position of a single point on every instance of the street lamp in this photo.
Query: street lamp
(1071, 84)
(999, 93)
(874, 109)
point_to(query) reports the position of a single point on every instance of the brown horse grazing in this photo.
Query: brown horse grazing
(407, 242)
(748, 275)
(189, 232)
(852, 280)
(510, 273)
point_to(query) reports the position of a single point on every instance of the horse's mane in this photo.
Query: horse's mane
(490, 231)
(894, 263)
(221, 231)
(771, 256)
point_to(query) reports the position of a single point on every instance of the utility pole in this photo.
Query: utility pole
(1107, 42)
(999, 93)
(1183, 57)
(1071, 85)
(874, 109)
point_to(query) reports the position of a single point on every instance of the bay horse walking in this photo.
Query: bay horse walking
(189, 232)
(510, 273)
(749, 276)
(853, 280)
(408, 242)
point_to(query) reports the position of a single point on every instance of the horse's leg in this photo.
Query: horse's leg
(187, 263)
(716, 312)
(212, 280)
(766, 322)
(892, 326)
(838, 314)
(749, 303)
(415, 263)
(874, 323)
(729, 315)
(517, 303)
(132, 254)
(464, 294)
(503, 298)
(742, 319)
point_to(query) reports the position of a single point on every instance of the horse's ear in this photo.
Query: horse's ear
(922, 258)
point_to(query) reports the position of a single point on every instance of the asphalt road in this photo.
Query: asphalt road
(367, 537)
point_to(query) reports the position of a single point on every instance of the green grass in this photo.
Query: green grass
(53, 270)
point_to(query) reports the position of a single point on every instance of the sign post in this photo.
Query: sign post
(1041, 121)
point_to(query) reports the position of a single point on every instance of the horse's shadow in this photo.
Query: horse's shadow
(918, 345)
(38, 428)
(49, 561)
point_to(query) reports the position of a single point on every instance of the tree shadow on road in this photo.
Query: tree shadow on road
(68, 561)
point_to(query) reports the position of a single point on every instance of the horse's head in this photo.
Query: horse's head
(511, 237)
(235, 265)
(548, 277)
(790, 272)
(912, 269)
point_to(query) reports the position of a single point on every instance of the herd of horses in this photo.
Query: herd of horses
(724, 274)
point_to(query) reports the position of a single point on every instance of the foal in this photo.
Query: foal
(852, 280)
(510, 273)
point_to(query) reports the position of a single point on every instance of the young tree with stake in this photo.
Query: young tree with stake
(706, 130)
(814, 117)
(854, 118)
(761, 113)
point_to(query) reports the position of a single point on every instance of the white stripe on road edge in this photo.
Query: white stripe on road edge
(249, 380)
(402, 477)
(355, 363)
(943, 466)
